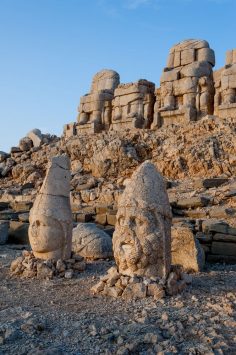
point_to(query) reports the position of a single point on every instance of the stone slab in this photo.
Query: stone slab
(221, 248)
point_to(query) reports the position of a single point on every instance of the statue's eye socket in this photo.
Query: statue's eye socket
(121, 220)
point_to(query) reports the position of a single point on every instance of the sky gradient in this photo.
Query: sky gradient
(50, 49)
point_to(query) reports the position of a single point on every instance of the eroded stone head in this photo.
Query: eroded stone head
(50, 230)
(141, 242)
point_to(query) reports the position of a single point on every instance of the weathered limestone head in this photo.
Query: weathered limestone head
(142, 238)
(50, 231)
(105, 79)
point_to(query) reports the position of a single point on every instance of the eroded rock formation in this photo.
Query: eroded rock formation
(50, 230)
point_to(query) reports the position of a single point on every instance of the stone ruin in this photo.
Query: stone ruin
(95, 108)
(142, 241)
(133, 105)
(189, 90)
(225, 87)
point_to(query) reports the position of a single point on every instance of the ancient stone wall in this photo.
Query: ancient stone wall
(189, 91)
(225, 87)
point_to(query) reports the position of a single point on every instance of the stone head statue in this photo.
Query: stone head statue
(142, 238)
(105, 79)
(50, 230)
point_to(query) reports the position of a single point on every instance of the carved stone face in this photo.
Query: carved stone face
(46, 234)
(138, 241)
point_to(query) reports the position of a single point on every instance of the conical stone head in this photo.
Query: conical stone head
(50, 231)
(142, 237)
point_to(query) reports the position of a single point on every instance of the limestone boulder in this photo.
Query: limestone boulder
(186, 250)
(91, 242)
(36, 136)
(3, 156)
(25, 144)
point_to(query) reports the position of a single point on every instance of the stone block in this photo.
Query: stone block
(215, 226)
(4, 226)
(198, 214)
(185, 86)
(101, 219)
(111, 219)
(221, 212)
(36, 136)
(209, 183)
(229, 58)
(186, 250)
(19, 206)
(224, 82)
(170, 60)
(206, 55)
(8, 215)
(222, 248)
(177, 59)
(170, 75)
(101, 209)
(83, 217)
(203, 238)
(232, 81)
(197, 69)
(18, 232)
(187, 56)
(224, 237)
(193, 202)
(227, 259)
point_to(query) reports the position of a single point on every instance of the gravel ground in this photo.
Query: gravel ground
(62, 317)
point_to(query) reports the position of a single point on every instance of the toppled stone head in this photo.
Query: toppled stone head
(50, 231)
(142, 238)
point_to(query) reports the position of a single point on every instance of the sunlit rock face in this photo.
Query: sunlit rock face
(142, 238)
(50, 231)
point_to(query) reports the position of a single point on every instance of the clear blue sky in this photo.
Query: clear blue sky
(50, 49)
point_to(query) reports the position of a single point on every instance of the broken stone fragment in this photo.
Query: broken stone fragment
(36, 137)
(186, 249)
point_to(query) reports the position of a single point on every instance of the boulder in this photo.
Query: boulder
(91, 242)
(186, 250)
(36, 136)
(25, 144)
